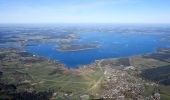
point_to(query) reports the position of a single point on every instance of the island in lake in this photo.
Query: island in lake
(76, 47)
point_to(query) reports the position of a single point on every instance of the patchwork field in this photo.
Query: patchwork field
(24, 75)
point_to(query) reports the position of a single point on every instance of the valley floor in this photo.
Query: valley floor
(24, 76)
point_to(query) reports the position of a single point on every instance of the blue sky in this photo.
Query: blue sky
(84, 11)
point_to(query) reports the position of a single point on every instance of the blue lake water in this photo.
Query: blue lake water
(113, 45)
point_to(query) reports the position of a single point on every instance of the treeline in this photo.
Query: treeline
(9, 92)
(32, 96)
(161, 75)
(162, 54)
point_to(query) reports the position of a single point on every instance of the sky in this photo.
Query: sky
(84, 11)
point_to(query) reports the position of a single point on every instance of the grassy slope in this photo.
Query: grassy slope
(75, 82)
(152, 63)
(69, 81)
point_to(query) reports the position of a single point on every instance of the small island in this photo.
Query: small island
(76, 47)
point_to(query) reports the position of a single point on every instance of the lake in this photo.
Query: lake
(113, 44)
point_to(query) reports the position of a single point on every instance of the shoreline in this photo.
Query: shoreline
(79, 66)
